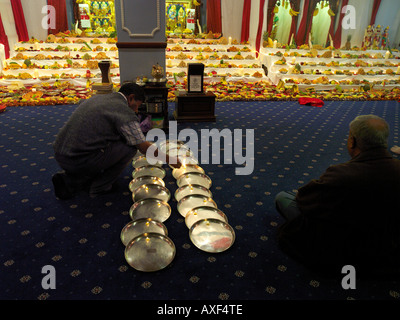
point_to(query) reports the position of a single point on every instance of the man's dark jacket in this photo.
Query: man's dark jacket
(349, 216)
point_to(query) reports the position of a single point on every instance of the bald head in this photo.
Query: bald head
(370, 131)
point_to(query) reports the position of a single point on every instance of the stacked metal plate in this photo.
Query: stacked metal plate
(176, 148)
(208, 226)
(147, 245)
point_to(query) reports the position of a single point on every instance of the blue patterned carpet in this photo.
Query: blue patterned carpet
(80, 238)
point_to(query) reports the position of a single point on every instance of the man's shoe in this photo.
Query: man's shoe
(61, 189)
(112, 189)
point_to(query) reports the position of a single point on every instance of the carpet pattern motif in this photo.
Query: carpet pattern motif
(80, 237)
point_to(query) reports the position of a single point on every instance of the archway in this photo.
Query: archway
(284, 19)
(283, 23)
(321, 23)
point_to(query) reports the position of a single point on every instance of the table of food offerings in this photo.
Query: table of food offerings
(326, 69)
(74, 60)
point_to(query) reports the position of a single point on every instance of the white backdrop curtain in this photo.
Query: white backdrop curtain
(363, 18)
(255, 9)
(231, 15)
(34, 17)
(396, 42)
(388, 15)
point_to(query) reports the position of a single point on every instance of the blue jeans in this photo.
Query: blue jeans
(286, 205)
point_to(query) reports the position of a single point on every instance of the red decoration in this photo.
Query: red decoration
(246, 21)
(311, 102)
(214, 23)
(20, 24)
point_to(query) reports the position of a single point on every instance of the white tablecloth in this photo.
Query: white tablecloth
(2, 56)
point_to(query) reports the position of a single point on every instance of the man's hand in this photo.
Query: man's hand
(172, 161)
(175, 163)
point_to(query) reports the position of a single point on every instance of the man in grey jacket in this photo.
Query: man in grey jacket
(98, 142)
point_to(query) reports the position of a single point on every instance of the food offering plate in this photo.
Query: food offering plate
(152, 171)
(137, 182)
(201, 213)
(150, 252)
(141, 226)
(194, 178)
(212, 235)
(153, 191)
(142, 161)
(188, 203)
(150, 208)
(187, 168)
(190, 189)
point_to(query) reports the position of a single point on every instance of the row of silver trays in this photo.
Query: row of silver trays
(148, 247)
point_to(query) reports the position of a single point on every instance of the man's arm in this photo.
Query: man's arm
(317, 196)
(173, 161)
(135, 137)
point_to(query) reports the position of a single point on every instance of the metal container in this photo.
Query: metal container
(151, 191)
(193, 201)
(137, 227)
(191, 189)
(152, 171)
(194, 178)
(201, 213)
(154, 107)
(150, 252)
(180, 152)
(177, 172)
(166, 145)
(150, 208)
(142, 161)
(187, 160)
(137, 182)
(212, 235)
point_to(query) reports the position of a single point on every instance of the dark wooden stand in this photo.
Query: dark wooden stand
(159, 92)
(195, 107)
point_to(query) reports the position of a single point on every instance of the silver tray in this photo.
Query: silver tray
(201, 213)
(190, 189)
(180, 152)
(166, 145)
(142, 161)
(150, 252)
(187, 168)
(212, 235)
(188, 203)
(150, 208)
(135, 228)
(137, 182)
(153, 171)
(186, 160)
(194, 178)
(153, 191)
